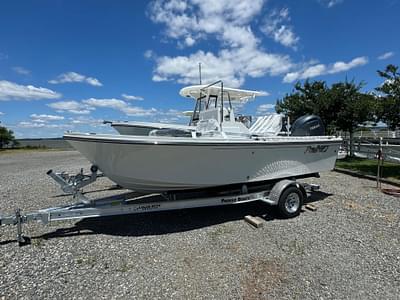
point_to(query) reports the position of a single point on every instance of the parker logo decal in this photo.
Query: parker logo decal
(316, 149)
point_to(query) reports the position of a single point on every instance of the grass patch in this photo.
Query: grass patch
(370, 167)
(29, 147)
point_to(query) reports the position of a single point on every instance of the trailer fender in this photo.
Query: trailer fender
(282, 185)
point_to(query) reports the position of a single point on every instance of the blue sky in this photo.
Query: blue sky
(68, 65)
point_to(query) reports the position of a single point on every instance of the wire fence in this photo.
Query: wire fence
(378, 134)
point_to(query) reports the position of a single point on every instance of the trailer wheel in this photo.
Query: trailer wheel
(290, 202)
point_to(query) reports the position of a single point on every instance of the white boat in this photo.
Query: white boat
(155, 163)
(220, 151)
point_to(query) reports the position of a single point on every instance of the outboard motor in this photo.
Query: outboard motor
(309, 125)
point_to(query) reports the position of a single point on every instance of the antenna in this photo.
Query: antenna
(200, 71)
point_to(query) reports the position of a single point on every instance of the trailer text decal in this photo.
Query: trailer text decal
(235, 199)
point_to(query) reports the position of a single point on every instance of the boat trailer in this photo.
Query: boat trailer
(286, 194)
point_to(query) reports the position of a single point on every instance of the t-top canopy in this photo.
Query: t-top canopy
(234, 94)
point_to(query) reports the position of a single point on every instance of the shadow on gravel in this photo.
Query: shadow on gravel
(3, 243)
(110, 188)
(158, 223)
(317, 196)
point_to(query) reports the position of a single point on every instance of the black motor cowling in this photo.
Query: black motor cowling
(309, 125)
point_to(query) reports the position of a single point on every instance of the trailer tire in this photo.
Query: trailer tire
(290, 202)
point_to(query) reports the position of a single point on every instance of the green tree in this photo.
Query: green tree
(342, 106)
(6, 137)
(389, 103)
(351, 107)
(304, 100)
(310, 98)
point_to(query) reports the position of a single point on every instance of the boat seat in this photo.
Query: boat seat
(267, 125)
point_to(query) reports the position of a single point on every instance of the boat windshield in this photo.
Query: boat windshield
(200, 106)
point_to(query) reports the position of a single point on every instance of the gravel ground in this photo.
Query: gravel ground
(348, 249)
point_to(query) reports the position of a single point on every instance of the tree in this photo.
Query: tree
(389, 104)
(307, 99)
(342, 106)
(6, 137)
(304, 99)
(352, 107)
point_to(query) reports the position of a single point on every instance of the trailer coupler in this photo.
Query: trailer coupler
(70, 184)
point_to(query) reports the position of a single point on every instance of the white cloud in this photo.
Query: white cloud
(321, 69)
(229, 22)
(131, 97)
(21, 70)
(231, 66)
(171, 116)
(158, 78)
(13, 91)
(194, 19)
(148, 54)
(120, 105)
(75, 77)
(80, 120)
(25, 124)
(274, 26)
(263, 108)
(29, 124)
(1, 113)
(330, 3)
(72, 107)
(386, 55)
(189, 41)
(43, 118)
(292, 76)
(341, 66)
(314, 71)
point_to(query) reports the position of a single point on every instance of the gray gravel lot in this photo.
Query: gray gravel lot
(348, 249)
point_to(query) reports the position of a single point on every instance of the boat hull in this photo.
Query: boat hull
(177, 164)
